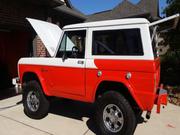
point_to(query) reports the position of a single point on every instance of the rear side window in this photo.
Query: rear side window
(117, 42)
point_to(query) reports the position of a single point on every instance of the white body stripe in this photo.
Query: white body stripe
(58, 62)
(90, 64)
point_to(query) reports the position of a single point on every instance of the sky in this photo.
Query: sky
(93, 6)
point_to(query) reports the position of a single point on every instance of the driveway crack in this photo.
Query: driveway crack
(86, 132)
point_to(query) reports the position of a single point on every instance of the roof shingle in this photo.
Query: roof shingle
(145, 9)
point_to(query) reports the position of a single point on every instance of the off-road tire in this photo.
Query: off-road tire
(117, 99)
(42, 111)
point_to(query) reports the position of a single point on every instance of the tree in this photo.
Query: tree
(171, 60)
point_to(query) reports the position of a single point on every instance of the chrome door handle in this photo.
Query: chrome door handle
(80, 62)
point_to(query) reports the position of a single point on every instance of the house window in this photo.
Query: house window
(117, 42)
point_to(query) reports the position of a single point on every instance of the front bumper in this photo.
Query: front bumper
(17, 84)
(161, 99)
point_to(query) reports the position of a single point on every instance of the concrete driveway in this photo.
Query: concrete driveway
(74, 118)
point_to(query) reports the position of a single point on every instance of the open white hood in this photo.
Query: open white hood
(49, 34)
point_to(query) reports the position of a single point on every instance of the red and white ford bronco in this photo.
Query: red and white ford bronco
(113, 64)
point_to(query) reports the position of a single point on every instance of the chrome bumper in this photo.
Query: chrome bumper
(17, 84)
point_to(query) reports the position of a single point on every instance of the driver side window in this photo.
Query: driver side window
(72, 44)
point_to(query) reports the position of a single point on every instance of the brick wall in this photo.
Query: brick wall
(39, 48)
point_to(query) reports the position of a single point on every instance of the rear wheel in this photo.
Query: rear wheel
(35, 104)
(114, 115)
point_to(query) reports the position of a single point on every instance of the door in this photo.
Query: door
(67, 75)
(64, 73)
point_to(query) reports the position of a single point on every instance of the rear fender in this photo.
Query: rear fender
(127, 84)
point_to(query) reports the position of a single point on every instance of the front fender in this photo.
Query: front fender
(29, 71)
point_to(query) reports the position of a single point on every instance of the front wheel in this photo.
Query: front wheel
(35, 104)
(114, 115)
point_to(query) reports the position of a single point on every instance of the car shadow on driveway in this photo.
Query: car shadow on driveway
(71, 109)
(75, 110)
(78, 110)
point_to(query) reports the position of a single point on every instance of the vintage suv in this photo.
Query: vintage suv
(113, 64)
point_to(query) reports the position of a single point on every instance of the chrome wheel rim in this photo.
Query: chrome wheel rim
(33, 101)
(113, 118)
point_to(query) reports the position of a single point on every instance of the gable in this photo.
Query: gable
(127, 9)
(150, 5)
(144, 9)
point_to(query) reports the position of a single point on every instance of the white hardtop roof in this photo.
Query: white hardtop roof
(108, 23)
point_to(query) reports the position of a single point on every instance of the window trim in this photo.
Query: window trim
(61, 40)
(145, 36)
